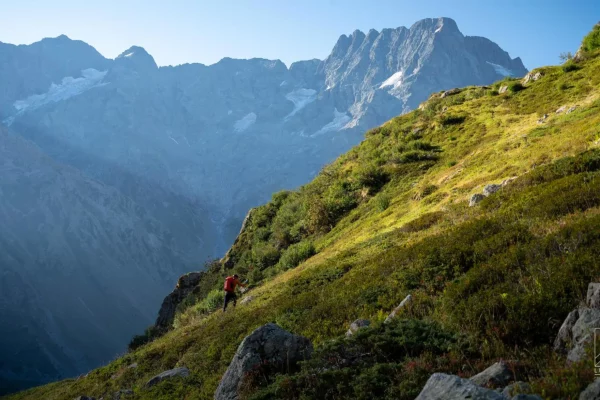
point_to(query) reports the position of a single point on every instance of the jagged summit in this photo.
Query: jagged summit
(136, 57)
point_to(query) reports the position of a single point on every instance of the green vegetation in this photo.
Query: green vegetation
(592, 41)
(515, 87)
(389, 218)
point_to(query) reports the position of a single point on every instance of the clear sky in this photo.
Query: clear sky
(180, 31)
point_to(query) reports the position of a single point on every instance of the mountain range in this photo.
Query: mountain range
(119, 175)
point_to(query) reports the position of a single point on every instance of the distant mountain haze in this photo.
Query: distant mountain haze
(118, 176)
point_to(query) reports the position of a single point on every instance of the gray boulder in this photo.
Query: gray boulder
(592, 392)
(542, 119)
(268, 345)
(495, 376)
(561, 109)
(491, 189)
(396, 310)
(583, 331)
(181, 372)
(516, 388)
(571, 109)
(476, 198)
(450, 92)
(122, 394)
(532, 76)
(564, 338)
(451, 387)
(503, 89)
(247, 299)
(593, 295)
(356, 325)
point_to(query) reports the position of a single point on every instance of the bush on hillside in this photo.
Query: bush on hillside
(592, 41)
(448, 120)
(515, 87)
(151, 333)
(569, 67)
(295, 254)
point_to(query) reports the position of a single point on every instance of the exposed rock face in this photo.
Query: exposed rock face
(497, 375)
(532, 76)
(503, 89)
(592, 392)
(450, 387)
(476, 198)
(576, 332)
(185, 285)
(268, 345)
(356, 325)
(396, 310)
(491, 189)
(515, 389)
(181, 372)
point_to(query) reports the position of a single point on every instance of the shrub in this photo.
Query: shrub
(264, 255)
(151, 333)
(383, 202)
(295, 254)
(569, 67)
(592, 41)
(493, 92)
(562, 86)
(448, 120)
(515, 87)
(212, 301)
(371, 177)
(416, 156)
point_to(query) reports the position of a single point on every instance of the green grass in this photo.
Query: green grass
(389, 218)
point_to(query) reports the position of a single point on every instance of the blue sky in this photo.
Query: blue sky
(180, 31)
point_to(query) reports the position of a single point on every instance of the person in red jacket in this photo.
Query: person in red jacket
(231, 282)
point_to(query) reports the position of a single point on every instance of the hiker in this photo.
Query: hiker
(231, 282)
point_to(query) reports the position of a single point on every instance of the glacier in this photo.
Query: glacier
(69, 87)
(501, 70)
(301, 98)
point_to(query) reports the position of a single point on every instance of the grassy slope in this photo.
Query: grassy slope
(503, 273)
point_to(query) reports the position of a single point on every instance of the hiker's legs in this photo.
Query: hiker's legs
(227, 299)
(234, 298)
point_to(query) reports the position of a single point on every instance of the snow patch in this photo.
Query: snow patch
(501, 70)
(395, 80)
(244, 123)
(438, 29)
(129, 54)
(173, 139)
(69, 87)
(338, 123)
(300, 98)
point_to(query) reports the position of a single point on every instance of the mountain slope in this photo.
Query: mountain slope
(391, 217)
(82, 267)
(193, 128)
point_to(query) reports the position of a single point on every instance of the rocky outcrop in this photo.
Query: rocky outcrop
(532, 77)
(503, 89)
(515, 389)
(576, 332)
(356, 325)
(491, 189)
(475, 199)
(268, 346)
(181, 372)
(407, 300)
(592, 392)
(450, 387)
(122, 394)
(496, 376)
(450, 92)
(185, 285)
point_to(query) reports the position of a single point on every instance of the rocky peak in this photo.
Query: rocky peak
(137, 59)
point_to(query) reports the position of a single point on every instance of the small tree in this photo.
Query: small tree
(565, 56)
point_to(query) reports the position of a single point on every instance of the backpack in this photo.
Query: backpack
(229, 285)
